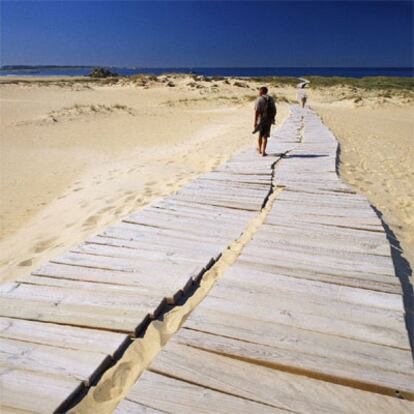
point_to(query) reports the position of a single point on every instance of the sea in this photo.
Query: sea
(240, 72)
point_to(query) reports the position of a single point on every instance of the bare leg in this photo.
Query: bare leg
(263, 146)
(259, 145)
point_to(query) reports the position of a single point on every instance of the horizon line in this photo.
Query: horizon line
(207, 67)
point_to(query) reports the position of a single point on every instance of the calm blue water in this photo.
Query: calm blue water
(346, 72)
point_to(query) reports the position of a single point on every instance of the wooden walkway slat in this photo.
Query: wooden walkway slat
(48, 359)
(62, 337)
(198, 399)
(33, 392)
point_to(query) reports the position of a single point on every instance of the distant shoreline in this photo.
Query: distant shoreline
(73, 71)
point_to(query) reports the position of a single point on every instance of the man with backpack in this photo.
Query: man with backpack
(265, 114)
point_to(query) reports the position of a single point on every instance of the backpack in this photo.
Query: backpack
(270, 109)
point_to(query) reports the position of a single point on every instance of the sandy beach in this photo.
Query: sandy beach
(77, 156)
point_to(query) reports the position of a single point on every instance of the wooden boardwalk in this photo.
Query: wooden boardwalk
(311, 306)
(310, 318)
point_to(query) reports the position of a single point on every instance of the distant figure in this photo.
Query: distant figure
(302, 97)
(265, 114)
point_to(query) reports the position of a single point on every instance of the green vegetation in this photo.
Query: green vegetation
(367, 83)
(275, 81)
(102, 73)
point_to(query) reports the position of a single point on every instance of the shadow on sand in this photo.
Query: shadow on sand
(403, 271)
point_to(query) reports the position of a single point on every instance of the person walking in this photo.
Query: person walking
(265, 115)
(302, 96)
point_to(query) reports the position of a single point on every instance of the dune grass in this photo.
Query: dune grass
(367, 83)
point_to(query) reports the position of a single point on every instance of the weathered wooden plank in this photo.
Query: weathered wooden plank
(325, 258)
(61, 336)
(184, 207)
(134, 231)
(169, 246)
(137, 291)
(372, 282)
(164, 283)
(161, 215)
(44, 359)
(194, 226)
(252, 279)
(318, 235)
(350, 200)
(347, 214)
(129, 252)
(308, 264)
(339, 219)
(236, 190)
(129, 406)
(90, 307)
(222, 202)
(127, 265)
(42, 393)
(186, 398)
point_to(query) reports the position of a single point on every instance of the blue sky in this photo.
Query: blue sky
(207, 33)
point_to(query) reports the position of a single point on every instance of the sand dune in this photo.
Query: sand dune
(77, 112)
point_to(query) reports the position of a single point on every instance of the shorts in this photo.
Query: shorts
(264, 129)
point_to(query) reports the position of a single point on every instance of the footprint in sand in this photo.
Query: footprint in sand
(129, 198)
(43, 245)
(25, 263)
(90, 221)
(104, 210)
(110, 201)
